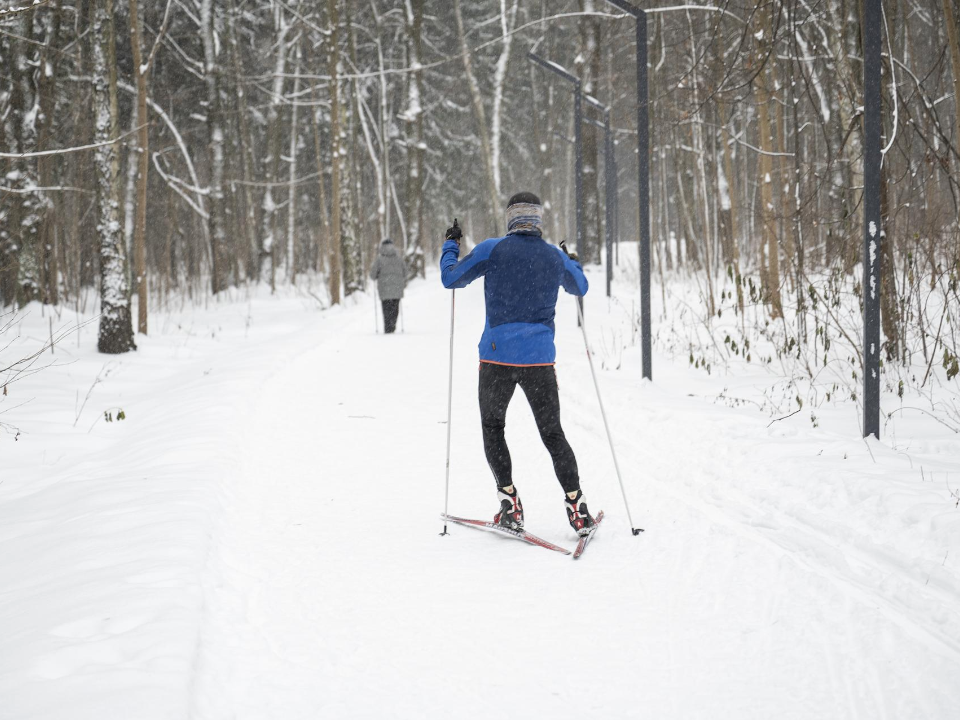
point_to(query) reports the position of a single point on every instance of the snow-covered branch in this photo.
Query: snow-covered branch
(66, 151)
(17, 9)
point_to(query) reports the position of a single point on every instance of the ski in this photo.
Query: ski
(518, 534)
(584, 539)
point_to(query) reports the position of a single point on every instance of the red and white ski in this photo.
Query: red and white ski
(584, 539)
(518, 534)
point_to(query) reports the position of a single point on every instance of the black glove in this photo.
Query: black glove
(572, 255)
(454, 233)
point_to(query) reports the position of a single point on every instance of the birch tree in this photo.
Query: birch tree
(26, 214)
(588, 64)
(140, 70)
(771, 275)
(480, 117)
(336, 223)
(292, 174)
(952, 27)
(220, 271)
(116, 329)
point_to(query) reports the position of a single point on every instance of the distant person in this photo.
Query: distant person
(523, 275)
(390, 272)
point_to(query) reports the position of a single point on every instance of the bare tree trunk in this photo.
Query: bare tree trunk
(251, 222)
(385, 185)
(589, 61)
(480, 115)
(220, 277)
(46, 171)
(764, 98)
(292, 176)
(116, 330)
(846, 47)
(269, 232)
(336, 236)
(700, 152)
(415, 145)
(545, 139)
(143, 140)
(794, 199)
(351, 258)
(379, 128)
(324, 242)
(508, 21)
(953, 37)
(784, 180)
(666, 232)
(729, 207)
(8, 244)
(357, 224)
(22, 255)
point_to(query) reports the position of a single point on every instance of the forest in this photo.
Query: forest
(171, 148)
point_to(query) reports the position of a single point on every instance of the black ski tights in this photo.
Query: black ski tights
(539, 384)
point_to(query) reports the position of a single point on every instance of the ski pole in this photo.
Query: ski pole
(376, 316)
(603, 414)
(402, 328)
(446, 492)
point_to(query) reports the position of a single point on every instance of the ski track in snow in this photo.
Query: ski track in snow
(300, 573)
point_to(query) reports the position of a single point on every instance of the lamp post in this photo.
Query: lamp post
(610, 181)
(577, 133)
(873, 234)
(578, 143)
(643, 173)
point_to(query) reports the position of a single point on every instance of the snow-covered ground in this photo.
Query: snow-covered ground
(258, 538)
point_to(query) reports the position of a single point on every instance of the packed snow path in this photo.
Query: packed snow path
(332, 594)
(784, 572)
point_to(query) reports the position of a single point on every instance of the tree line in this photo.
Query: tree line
(158, 147)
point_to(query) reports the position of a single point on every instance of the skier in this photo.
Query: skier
(390, 272)
(523, 274)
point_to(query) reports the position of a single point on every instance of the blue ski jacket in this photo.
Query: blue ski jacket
(522, 277)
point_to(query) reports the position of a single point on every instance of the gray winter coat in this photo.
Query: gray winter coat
(389, 271)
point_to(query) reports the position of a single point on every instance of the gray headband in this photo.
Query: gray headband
(524, 217)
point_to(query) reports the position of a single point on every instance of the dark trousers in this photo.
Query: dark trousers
(539, 384)
(391, 308)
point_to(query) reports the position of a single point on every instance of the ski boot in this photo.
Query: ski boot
(580, 518)
(511, 510)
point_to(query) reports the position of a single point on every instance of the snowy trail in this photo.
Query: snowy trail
(259, 539)
(329, 593)
(334, 593)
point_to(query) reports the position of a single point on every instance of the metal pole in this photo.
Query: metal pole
(872, 229)
(616, 202)
(610, 192)
(643, 172)
(609, 183)
(578, 142)
(617, 216)
(446, 491)
(578, 173)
